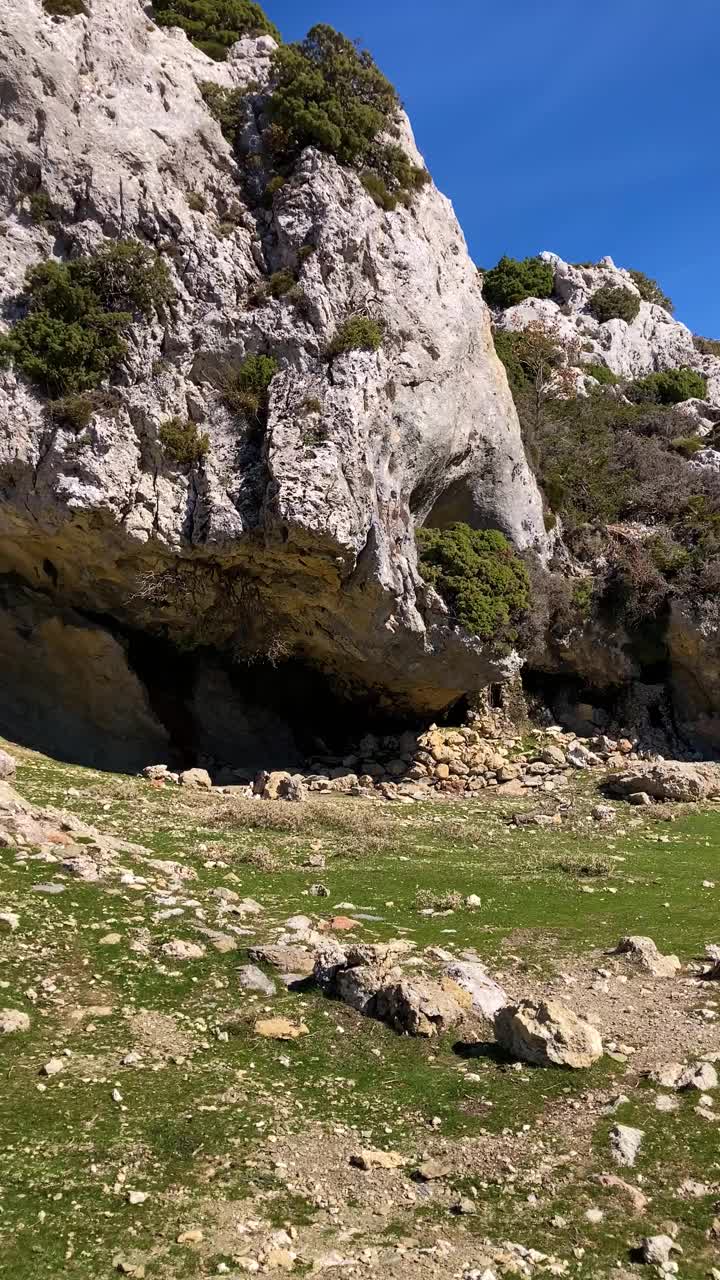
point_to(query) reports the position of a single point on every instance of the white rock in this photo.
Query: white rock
(644, 953)
(12, 1020)
(657, 1250)
(701, 1076)
(488, 996)
(7, 766)
(178, 949)
(53, 1067)
(198, 778)
(625, 1143)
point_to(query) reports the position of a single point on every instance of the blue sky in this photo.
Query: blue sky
(582, 126)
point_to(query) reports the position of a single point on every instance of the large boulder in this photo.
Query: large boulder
(644, 953)
(547, 1034)
(668, 780)
(300, 538)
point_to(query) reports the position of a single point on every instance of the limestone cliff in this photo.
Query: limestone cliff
(300, 541)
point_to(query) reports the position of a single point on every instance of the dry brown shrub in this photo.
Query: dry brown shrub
(313, 817)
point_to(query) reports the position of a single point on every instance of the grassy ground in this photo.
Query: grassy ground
(223, 1130)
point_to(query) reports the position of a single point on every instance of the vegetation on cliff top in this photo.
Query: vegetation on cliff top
(512, 281)
(328, 93)
(214, 25)
(650, 290)
(478, 575)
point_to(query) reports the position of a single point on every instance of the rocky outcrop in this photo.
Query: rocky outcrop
(653, 342)
(300, 542)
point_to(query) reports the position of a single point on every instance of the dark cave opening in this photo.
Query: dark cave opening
(258, 715)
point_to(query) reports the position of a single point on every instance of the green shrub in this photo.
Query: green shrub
(601, 374)
(328, 93)
(650, 290)
(214, 25)
(582, 596)
(246, 388)
(707, 346)
(73, 412)
(476, 571)
(65, 8)
(196, 202)
(311, 404)
(375, 187)
(40, 208)
(357, 333)
(608, 303)
(274, 185)
(531, 356)
(226, 105)
(512, 281)
(70, 339)
(671, 387)
(687, 445)
(182, 442)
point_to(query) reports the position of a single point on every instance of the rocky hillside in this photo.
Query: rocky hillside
(620, 406)
(298, 378)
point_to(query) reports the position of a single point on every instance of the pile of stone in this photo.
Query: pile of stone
(450, 762)
(464, 762)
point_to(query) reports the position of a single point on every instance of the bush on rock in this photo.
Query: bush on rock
(513, 280)
(671, 387)
(70, 338)
(214, 25)
(182, 442)
(246, 388)
(610, 303)
(482, 581)
(357, 333)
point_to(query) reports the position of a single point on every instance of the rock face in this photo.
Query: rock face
(301, 542)
(547, 1035)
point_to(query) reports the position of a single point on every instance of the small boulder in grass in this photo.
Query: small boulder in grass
(625, 1143)
(370, 1159)
(280, 1029)
(8, 766)
(12, 1020)
(199, 779)
(342, 924)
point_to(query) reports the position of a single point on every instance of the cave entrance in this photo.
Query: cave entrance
(458, 504)
(167, 676)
